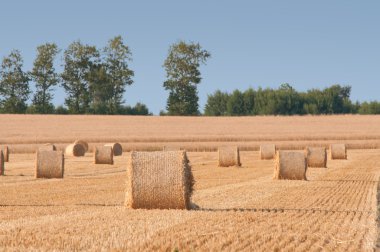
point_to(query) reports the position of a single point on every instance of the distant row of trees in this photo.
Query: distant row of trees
(95, 82)
(287, 101)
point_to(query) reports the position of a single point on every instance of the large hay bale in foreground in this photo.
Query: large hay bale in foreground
(2, 165)
(49, 164)
(171, 148)
(290, 165)
(47, 147)
(5, 150)
(116, 148)
(229, 156)
(75, 150)
(338, 151)
(159, 180)
(267, 151)
(103, 155)
(316, 156)
(83, 143)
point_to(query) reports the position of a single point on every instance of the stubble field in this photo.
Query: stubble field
(239, 208)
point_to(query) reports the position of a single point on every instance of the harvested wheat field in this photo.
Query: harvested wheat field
(238, 208)
(25, 133)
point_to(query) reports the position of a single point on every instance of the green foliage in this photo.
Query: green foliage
(138, 109)
(116, 58)
(369, 108)
(61, 110)
(80, 61)
(45, 77)
(283, 101)
(14, 84)
(235, 104)
(182, 71)
(217, 104)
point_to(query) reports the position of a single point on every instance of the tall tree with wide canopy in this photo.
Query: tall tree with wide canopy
(183, 75)
(45, 77)
(14, 84)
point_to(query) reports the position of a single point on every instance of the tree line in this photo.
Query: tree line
(287, 101)
(95, 80)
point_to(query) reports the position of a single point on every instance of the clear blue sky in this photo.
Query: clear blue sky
(309, 44)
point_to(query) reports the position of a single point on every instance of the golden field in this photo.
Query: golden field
(23, 133)
(240, 209)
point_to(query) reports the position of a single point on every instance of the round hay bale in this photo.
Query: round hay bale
(84, 143)
(267, 151)
(290, 165)
(6, 153)
(47, 147)
(49, 164)
(159, 180)
(75, 150)
(338, 151)
(316, 157)
(171, 148)
(2, 165)
(103, 155)
(229, 156)
(117, 148)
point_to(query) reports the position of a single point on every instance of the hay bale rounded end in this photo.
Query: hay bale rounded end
(83, 143)
(338, 151)
(103, 155)
(159, 180)
(49, 164)
(117, 148)
(316, 157)
(290, 165)
(75, 150)
(228, 156)
(2, 163)
(5, 150)
(267, 151)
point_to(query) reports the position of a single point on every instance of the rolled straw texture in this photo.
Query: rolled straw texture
(103, 155)
(338, 151)
(267, 151)
(228, 156)
(116, 147)
(290, 165)
(49, 164)
(75, 150)
(84, 143)
(316, 157)
(159, 180)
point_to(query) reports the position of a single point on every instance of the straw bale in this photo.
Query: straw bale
(290, 165)
(159, 180)
(2, 165)
(229, 156)
(49, 164)
(5, 150)
(117, 148)
(338, 151)
(103, 155)
(84, 143)
(316, 157)
(267, 151)
(76, 150)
